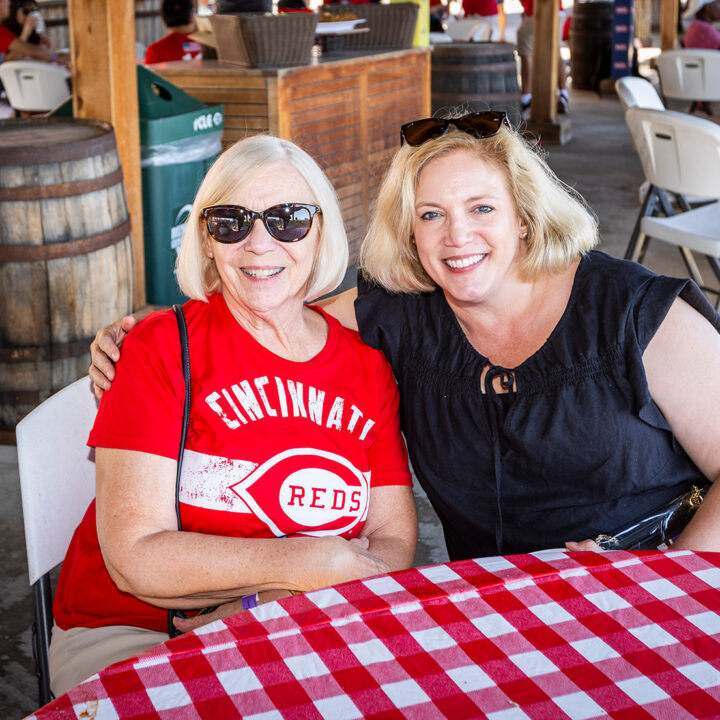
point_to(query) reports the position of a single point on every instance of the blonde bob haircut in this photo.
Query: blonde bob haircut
(234, 171)
(559, 225)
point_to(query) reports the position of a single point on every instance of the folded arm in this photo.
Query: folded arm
(147, 556)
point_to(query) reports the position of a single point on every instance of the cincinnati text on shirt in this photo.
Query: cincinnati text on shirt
(249, 401)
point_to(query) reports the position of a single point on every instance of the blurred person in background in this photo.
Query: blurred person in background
(178, 15)
(491, 10)
(19, 36)
(701, 32)
(438, 13)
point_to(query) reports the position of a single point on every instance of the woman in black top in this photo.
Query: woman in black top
(549, 392)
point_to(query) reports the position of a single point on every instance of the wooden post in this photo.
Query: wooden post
(102, 50)
(544, 119)
(545, 61)
(668, 24)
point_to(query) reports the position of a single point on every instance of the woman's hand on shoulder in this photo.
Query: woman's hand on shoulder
(105, 352)
(341, 307)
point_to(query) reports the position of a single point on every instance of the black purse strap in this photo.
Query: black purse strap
(185, 356)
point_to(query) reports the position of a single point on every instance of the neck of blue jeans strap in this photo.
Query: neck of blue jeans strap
(495, 413)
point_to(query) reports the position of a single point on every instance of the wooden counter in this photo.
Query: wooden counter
(345, 112)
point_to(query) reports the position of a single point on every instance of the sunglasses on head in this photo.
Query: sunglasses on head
(478, 124)
(287, 222)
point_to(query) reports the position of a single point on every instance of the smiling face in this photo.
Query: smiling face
(261, 275)
(467, 230)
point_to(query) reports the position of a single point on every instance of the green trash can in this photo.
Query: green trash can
(180, 137)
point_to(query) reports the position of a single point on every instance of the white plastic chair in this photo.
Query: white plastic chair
(690, 74)
(34, 86)
(637, 92)
(469, 30)
(57, 483)
(680, 155)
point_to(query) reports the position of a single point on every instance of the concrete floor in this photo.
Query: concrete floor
(599, 162)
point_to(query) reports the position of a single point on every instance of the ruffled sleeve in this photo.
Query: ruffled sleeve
(652, 304)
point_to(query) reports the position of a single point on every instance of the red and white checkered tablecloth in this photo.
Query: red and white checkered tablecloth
(552, 635)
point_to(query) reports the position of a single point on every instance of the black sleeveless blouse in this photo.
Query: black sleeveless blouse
(577, 448)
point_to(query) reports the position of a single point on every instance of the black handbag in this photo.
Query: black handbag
(660, 528)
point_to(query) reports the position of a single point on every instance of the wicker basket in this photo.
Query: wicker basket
(391, 26)
(265, 40)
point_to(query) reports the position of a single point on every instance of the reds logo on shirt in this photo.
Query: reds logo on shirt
(303, 490)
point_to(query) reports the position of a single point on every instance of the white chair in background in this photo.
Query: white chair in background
(57, 483)
(34, 86)
(690, 74)
(680, 155)
(469, 30)
(637, 92)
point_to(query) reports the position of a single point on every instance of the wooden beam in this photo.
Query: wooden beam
(668, 24)
(102, 49)
(545, 61)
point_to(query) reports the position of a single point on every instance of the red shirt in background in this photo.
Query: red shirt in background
(174, 46)
(484, 8)
(6, 37)
(701, 34)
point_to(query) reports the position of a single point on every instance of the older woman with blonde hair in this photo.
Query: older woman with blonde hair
(294, 473)
(549, 392)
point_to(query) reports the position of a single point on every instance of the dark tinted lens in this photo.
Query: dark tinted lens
(228, 225)
(288, 223)
(481, 125)
(419, 132)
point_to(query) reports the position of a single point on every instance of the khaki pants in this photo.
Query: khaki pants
(80, 652)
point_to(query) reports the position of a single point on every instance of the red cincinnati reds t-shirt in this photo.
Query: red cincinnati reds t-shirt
(274, 447)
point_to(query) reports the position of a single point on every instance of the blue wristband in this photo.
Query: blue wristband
(249, 601)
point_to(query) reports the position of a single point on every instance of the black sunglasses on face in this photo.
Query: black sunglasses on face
(287, 222)
(479, 124)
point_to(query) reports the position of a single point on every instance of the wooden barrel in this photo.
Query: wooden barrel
(590, 43)
(66, 264)
(475, 76)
